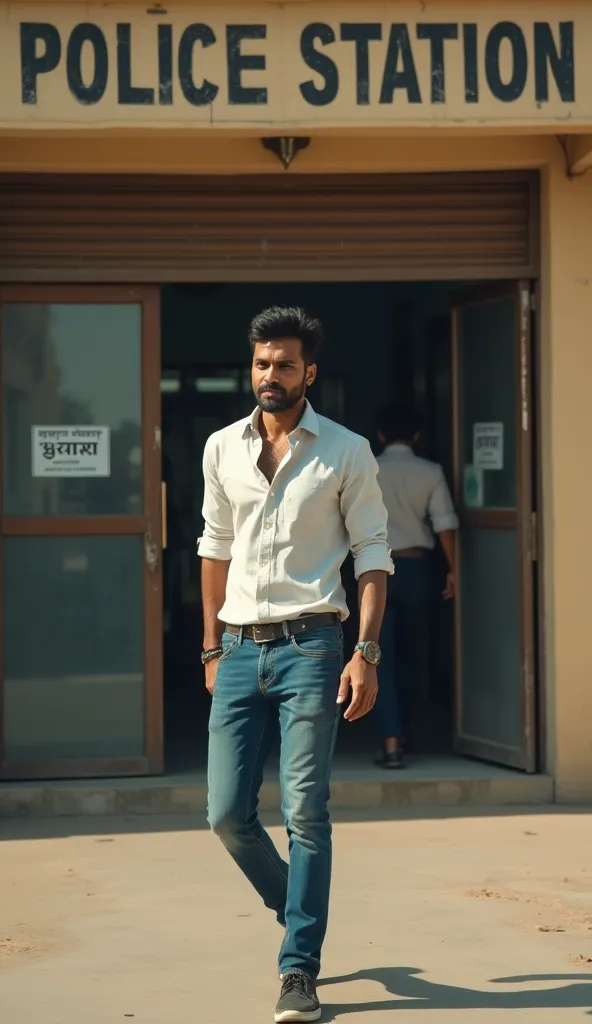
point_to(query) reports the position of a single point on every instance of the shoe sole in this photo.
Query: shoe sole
(295, 1015)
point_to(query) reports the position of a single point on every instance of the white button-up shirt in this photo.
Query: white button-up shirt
(416, 496)
(286, 541)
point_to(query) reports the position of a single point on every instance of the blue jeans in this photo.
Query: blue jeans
(291, 683)
(409, 594)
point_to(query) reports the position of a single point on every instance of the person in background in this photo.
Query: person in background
(419, 505)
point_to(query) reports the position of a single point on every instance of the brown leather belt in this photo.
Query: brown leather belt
(267, 632)
(410, 553)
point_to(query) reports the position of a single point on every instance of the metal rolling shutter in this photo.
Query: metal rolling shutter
(284, 227)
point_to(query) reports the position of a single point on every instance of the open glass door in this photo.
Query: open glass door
(81, 603)
(495, 665)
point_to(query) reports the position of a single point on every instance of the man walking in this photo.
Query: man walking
(419, 505)
(287, 494)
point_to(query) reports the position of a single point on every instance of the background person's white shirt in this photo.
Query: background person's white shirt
(287, 541)
(416, 494)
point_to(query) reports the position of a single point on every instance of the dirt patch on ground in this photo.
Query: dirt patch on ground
(539, 912)
(581, 960)
(14, 948)
(491, 894)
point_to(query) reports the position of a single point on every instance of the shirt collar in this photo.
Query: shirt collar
(308, 422)
(398, 449)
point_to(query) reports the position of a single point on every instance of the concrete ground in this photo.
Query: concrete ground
(440, 917)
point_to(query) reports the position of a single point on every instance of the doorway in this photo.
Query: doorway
(385, 342)
(94, 531)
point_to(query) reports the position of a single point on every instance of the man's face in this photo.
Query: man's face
(279, 374)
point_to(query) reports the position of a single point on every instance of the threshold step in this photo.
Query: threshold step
(443, 782)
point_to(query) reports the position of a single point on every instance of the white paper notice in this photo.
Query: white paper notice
(488, 445)
(71, 451)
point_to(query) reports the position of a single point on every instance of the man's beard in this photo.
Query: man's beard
(281, 400)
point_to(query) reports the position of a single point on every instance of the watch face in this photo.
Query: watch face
(372, 653)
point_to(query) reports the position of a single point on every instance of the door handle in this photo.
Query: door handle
(163, 500)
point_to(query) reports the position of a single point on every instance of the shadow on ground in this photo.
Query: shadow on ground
(416, 993)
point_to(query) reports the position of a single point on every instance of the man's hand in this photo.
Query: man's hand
(363, 680)
(450, 588)
(211, 670)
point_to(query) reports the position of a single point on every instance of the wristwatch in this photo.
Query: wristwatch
(370, 651)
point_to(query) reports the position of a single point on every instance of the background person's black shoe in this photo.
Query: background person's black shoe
(298, 999)
(391, 761)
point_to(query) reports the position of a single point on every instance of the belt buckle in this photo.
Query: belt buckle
(264, 633)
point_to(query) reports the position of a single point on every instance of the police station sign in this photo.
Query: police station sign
(317, 64)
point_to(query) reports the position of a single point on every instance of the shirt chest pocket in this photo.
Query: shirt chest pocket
(310, 499)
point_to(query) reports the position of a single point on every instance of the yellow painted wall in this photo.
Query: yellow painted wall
(566, 353)
(183, 153)
(567, 417)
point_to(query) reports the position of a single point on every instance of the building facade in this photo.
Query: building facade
(274, 144)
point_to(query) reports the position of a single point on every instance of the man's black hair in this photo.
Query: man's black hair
(399, 423)
(280, 322)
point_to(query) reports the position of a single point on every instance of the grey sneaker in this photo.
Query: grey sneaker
(298, 999)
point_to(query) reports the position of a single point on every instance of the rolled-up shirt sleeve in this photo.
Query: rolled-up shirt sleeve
(441, 507)
(364, 513)
(218, 536)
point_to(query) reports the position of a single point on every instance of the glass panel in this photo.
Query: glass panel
(490, 643)
(71, 365)
(73, 647)
(488, 401)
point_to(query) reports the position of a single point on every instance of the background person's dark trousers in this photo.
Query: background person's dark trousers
(404, 628)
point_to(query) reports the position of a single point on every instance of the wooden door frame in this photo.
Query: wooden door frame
(521, 518)
(148, 526)
(538, 525)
